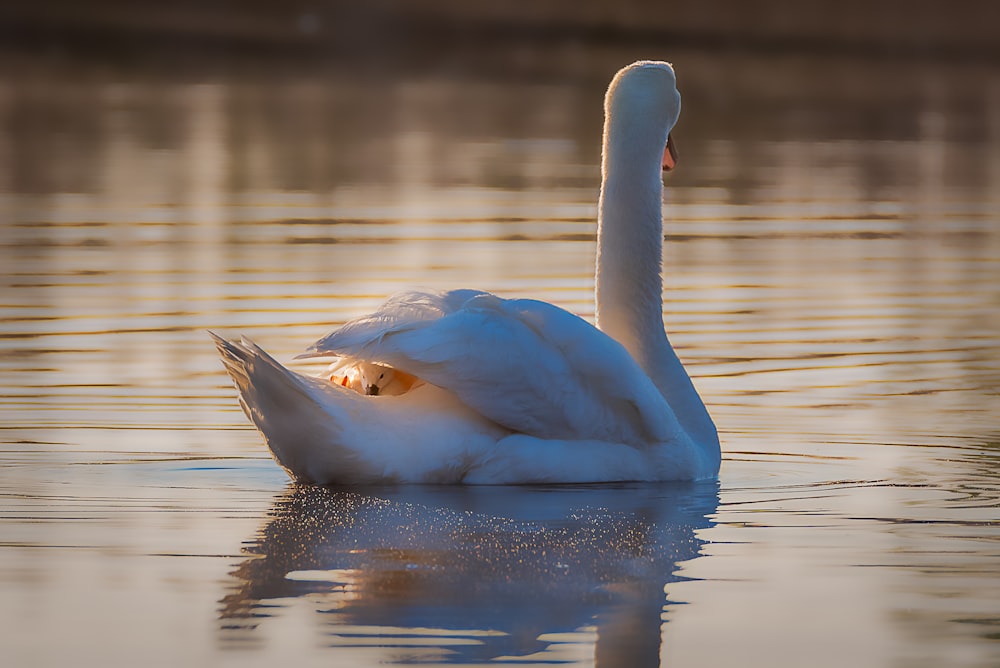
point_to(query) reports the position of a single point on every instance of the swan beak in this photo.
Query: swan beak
(669, 155)
(372, 390)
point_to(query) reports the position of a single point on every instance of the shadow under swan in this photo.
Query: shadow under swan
(488, 573)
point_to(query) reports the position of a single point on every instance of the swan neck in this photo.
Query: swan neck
(629, 283)
(630, 253)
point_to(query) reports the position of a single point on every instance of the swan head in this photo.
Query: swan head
(640, 109)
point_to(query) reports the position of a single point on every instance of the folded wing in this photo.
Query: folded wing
(527, 365)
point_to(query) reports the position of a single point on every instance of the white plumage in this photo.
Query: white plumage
(509, 390)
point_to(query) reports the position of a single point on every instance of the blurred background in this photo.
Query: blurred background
(275, 168)
(169, 167)
(832, 283)
(307, 95)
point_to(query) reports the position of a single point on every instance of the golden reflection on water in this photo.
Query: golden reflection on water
(831, 256)
(490, 573)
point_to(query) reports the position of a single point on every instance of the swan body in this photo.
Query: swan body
(466, 387)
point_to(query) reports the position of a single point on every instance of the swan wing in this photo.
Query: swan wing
(527, 365)
(323, 433)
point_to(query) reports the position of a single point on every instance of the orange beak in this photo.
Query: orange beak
(669, 155)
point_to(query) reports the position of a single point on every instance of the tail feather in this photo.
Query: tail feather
(300, 427)
(236, 359)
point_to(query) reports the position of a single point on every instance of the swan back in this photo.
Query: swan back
(527, 365)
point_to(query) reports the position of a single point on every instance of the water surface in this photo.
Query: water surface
(831, 282)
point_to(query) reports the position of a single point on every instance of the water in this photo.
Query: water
(832, 266)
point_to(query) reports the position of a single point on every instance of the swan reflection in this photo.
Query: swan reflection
(474, 574)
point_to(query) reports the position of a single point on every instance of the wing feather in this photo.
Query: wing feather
(527, 365)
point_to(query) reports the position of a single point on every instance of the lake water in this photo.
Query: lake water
(832, 284)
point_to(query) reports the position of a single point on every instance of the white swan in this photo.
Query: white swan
(511, 390)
